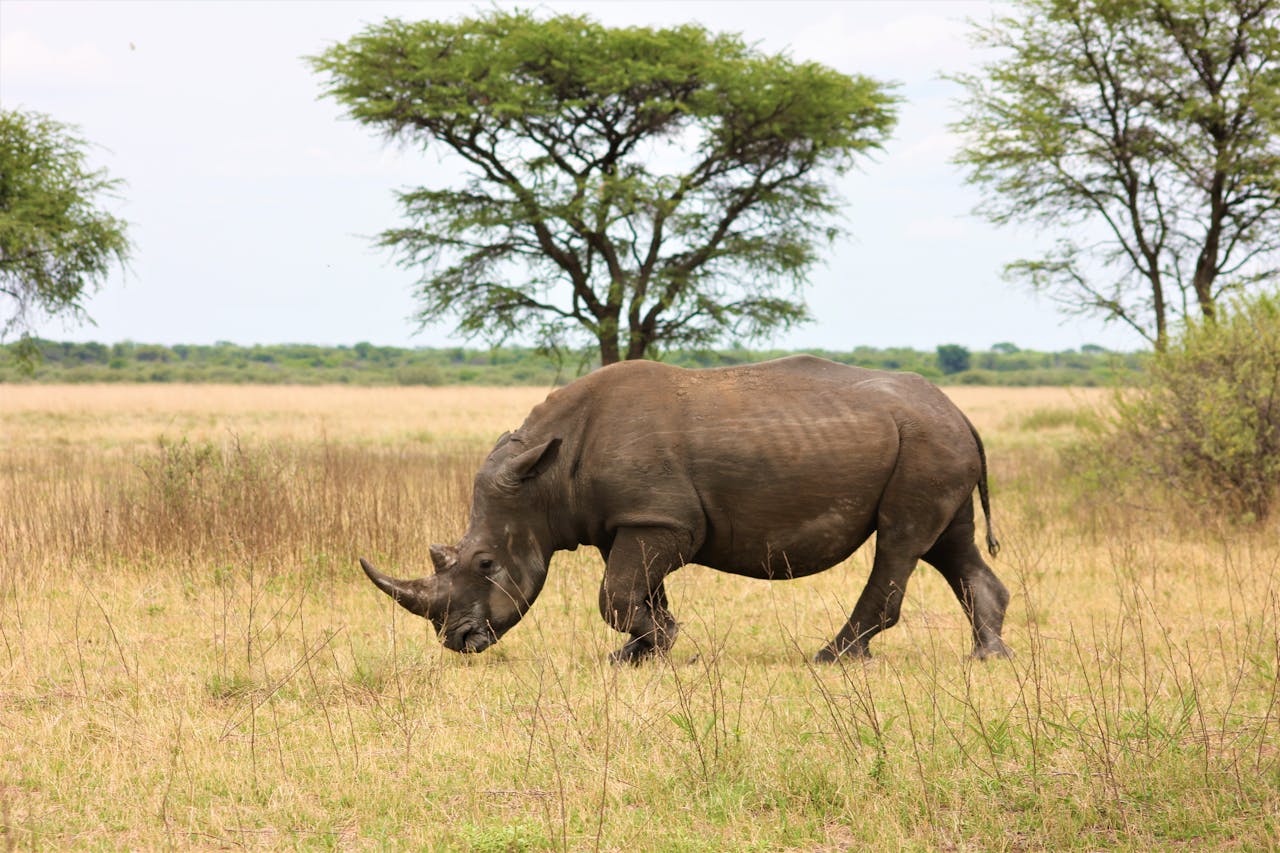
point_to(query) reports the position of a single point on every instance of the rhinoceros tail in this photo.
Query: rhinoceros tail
(984, 497)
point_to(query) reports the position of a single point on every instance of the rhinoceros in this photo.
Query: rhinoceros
(774, 470)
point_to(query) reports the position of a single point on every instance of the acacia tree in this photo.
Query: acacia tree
(651, 187)
(1146, 132)
(56, 242)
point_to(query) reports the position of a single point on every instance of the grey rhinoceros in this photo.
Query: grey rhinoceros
(775, 470)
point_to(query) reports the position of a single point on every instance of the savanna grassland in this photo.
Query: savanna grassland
(190, 656)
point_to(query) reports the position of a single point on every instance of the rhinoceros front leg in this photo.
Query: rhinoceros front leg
(632, 597)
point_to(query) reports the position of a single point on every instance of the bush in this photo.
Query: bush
(420, 374)
(1206, 421)
(953, 358)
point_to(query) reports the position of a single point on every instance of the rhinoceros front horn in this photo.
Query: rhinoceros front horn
(416, 596)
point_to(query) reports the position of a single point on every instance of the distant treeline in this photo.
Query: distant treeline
(367, 364)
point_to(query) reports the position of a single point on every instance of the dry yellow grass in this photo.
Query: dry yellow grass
(105, 416)
(190, 657)
(997, 407)
(123, 415)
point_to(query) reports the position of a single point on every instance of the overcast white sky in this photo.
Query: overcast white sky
(252, 202)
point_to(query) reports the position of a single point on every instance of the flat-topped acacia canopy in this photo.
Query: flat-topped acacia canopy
(640, 187)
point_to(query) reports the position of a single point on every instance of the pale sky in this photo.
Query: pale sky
(252, 203)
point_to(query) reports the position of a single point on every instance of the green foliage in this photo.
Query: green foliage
(366, 364)
(1206, 422)
(1144, 133)
(56, 243)
(420, 374)
(506, 838)
(953, 358)
(1060, 417)
(646, 187)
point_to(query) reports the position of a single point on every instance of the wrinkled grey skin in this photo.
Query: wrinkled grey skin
(776, 470)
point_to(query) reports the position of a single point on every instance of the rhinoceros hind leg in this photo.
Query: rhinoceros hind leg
(981, 594)
(632, 597)
(880, 603)
(908, 523)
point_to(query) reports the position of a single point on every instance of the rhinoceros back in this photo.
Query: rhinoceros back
(774, 470)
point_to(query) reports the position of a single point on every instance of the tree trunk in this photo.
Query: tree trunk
(1205, 274)
(637, 346)
(609, 353)
(607, 335)
(1158, 308)
(1207, 262)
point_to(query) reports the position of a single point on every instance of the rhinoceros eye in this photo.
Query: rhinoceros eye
(486, 565)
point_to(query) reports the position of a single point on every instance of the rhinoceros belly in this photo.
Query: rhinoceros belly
(772, 517)
(786, 536)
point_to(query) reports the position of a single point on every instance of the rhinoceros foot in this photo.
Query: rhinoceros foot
(635, 652)
(993, 649)
(831, 654)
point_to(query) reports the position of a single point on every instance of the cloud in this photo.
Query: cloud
(23, 55)
(939, 228)
(933, 150)
(912, 46)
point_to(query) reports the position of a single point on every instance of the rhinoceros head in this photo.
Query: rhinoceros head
(483, 585)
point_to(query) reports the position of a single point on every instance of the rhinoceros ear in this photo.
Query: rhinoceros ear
(443, 557)
(533, 461)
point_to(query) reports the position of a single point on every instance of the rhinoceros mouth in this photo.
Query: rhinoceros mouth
(469, 640)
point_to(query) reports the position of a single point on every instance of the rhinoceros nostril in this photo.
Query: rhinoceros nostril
(477, 640)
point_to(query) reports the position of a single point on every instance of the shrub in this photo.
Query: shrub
(420, 374)
(953, 358)
(1206, 420)
(973, 377)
